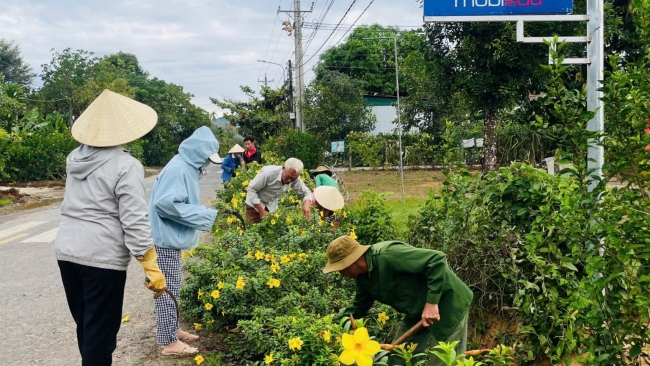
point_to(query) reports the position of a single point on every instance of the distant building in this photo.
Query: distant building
(383, 107)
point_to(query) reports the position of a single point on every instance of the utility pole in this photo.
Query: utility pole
(300, 77)
(265, 81)
(292, 114)
(300, 74)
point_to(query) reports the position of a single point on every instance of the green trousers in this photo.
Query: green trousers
(426, 340)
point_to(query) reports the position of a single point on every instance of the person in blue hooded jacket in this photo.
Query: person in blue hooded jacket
(231, 162)
(176, 217)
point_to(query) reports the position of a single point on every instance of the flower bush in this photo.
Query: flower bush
(267, 280)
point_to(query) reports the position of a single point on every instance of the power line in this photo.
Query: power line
(272, 31)
(321, 17)
(355, 22)
(331, 34)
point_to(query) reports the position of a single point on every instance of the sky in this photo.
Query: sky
(209, 47)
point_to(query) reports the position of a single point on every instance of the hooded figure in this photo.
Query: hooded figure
(104, 222)
(176, 217)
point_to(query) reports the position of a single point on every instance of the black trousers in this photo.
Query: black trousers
(95, 298)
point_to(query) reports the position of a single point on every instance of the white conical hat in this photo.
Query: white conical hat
(113, 119)
(329, 197)
(236, 149)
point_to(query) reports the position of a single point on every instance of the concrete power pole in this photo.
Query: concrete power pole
(292, 114)
(300, 74)
(299, 66)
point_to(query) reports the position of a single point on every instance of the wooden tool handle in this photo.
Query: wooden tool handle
(409, 333)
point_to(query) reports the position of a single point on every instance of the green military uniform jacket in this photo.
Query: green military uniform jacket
(405, 278)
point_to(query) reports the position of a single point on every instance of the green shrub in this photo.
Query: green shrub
(38, 156)
(295, 144)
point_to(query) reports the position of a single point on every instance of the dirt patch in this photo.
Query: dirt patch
(417, 183)
(38, 184)
(26, 198)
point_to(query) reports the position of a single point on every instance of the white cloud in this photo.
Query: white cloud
(207, 46)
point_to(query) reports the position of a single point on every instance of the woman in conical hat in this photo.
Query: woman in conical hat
(104, 222)
(231, 162)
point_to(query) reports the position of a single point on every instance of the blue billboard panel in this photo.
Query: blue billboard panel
(450, 8)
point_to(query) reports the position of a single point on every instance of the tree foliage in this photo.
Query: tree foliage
(13, 69)
(334, 107)
(261, 116)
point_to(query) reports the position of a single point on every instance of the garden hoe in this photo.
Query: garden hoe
(159, 293)
(409, 333)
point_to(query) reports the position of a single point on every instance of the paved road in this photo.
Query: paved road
(37, 328)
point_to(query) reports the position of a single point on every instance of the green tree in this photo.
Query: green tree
(334, 106)
(370, 61)
(261, 116)
(13, 68)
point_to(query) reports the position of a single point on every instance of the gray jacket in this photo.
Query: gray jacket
(104, 212)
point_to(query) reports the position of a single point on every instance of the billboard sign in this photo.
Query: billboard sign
(338, 147)
(464, 8)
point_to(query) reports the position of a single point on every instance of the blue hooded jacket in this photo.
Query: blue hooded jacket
(229, 165)
(175, 212)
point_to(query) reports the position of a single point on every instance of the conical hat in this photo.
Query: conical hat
(112, 120)
(236, 149)
(329, 198)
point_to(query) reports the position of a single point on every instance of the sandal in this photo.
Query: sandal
(185, 351)
(186, 337)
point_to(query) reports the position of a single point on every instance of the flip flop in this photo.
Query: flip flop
(186, 351)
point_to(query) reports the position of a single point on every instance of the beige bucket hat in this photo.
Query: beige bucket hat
(236, 150)
(329, 198)
(321, 169)
(113, 119)
(342, 252)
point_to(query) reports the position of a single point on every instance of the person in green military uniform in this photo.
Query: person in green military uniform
(414, 281)
(323, 177)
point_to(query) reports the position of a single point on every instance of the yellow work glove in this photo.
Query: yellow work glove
(155, 280)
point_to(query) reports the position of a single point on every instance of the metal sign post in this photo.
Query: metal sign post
(521, 11)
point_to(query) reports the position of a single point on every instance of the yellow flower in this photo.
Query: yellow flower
(289, 220)
(257, 171)
(200, 294)
(199, 359)
(191, 252)
(282, 199)
(292, 255)
(303, 233)
(321, 213)
(210, 321)
(353, 235)
(259, 255)
(269, 359)
(234, 202)
(220, 285)
(245, 183)
(249, 255)
(358, 348)
(382, 317)
(126, 319)
(293, 320)
(198, 326)
(272, 222)
(327, 336)
(273, 283)
(230, 220)
(208, 306)
(268, 258)
(183, 255)
(345, 214)
(240, 283)
(275, 267)
(242, 194)
(277, 215)
(296, 344)
(241, 232)
(215, 294)
(302, 256)
(285, 259)
(320, 222)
